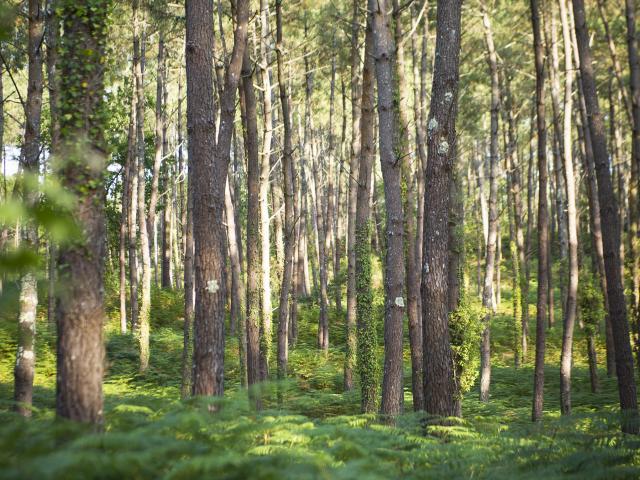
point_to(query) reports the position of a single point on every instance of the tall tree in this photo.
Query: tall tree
(389, 141)
(543, 221)
(569, 181)
(610, 229)
(287, 172)
(80, 316)
(440, 386)
(29, 158)
(488, 293)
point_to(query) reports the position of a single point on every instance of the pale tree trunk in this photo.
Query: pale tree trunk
(543, 222)
(350, 344)
(80, 315)
(440, 386)
(29, 158)
(366, 338)
(490, 253)
(289, 220)
(52, 32)
(569, 178)
(210, 177)
(610, 229)
(157, 159)
(237, 285)
(389, 141)
(266, 320)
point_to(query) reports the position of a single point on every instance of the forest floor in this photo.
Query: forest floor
(318, 432)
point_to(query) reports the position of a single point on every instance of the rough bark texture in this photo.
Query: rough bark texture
(24, 369)
(248, 101)
(389, 141)
(439, 382)
(543, 222)
(366, 361)
(80, 316)
(210, 166)
(610, 229)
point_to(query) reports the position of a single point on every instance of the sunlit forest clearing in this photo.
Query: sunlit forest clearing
(314, 239)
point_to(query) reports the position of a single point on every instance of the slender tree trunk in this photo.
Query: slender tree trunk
(289, 220)
(250, 124)
(25, 357)
(366, 338)
(610, 230)
(543, 222)
(569, 179)
(491, 255)
(265, 326)
(354, 163)
(440, 385)
(634, 209)
(80, 316)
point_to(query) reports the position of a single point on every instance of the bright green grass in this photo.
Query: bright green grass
(318, 432)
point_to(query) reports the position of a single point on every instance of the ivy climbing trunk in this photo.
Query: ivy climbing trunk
(80, 316)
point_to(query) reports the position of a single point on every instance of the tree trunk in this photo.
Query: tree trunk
(440, 386)
(250, 124)
(25, 357)
(350, 344)
(569, 180)
(366, 338)
(265, 326)
(390, 142)
(80, 316)
(543, 222)
(289, 220)
(610, 229)
(490, 253)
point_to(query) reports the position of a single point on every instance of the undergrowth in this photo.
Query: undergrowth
(317, 432)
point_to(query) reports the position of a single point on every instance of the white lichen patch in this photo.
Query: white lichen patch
(443, 147)
(433, 124)
(212, 286)
(448, 96)
(399, 301)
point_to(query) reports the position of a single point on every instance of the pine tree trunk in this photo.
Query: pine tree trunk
(80, 350)
(440, 387)
(350, 344)
(490, 253)
(569, 179)
(543, 221)
(610, 230)
(25, 357)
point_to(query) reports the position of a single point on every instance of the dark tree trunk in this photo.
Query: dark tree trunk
(210, 166)
(80, 316)
(440, 387)
(389, 141)
(610, 230)
(543, 221)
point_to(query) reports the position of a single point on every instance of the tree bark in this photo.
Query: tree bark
(610, 230)
(543, 221)
(24, 370)
(440, 386)
(492, 234)
(80, 315)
